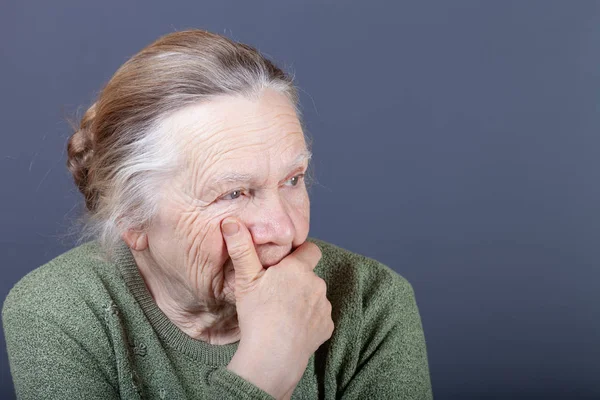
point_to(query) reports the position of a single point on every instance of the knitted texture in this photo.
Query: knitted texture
(81, 328)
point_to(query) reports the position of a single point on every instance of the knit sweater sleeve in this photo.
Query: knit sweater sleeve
(392, 360)
(47, 361)
(227, 385)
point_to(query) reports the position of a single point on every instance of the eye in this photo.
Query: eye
(294, 180)
(232, 195)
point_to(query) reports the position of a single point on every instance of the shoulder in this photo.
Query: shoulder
(54, 320)
(65, 285)
(378, 344)
(358, 275)
(373, 309)
(364, 293)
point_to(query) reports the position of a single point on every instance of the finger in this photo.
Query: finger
(241, 250)
(308, 253)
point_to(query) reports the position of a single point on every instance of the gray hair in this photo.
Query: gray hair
(118, 156)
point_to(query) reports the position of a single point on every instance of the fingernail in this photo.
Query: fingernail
(230, 227)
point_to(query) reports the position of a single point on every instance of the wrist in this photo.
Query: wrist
(265, 370)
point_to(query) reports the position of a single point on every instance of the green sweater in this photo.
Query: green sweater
(81, 328)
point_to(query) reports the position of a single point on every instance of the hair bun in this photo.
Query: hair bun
(80, 149)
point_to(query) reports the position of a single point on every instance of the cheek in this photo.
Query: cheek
(212, 250)
(299, 212)
(191, 234)
(199, 238)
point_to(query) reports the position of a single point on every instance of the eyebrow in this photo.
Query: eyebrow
(239, 177)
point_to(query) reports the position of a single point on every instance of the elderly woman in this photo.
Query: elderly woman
(200, 280)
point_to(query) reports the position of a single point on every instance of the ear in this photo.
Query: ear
(136, 240)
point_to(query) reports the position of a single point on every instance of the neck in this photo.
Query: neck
(210, 321)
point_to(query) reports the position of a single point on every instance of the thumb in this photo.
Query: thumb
(241, 250)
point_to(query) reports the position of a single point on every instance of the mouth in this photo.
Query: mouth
(268, 263)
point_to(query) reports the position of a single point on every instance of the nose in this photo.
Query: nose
(269, 220)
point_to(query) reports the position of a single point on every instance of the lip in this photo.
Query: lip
(270, 264)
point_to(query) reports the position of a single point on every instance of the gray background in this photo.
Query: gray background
(455, 141)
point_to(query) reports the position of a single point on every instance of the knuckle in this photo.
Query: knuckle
(315, 252)
(319, 253)
(321, 286)
(328, 308)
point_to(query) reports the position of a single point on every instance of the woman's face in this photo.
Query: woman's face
(242, 158)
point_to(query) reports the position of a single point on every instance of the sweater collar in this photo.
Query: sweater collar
(171, 335)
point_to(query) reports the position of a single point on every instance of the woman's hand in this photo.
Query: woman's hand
(283, 313)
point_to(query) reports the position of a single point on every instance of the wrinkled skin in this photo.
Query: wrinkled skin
(182, 255)
(256, 286)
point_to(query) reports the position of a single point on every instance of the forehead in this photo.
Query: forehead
(237, 132)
